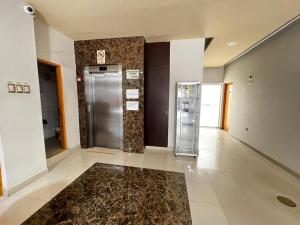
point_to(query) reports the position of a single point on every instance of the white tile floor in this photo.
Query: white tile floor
(227, 184)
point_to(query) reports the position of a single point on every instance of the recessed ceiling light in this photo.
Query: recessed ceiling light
(231, 44)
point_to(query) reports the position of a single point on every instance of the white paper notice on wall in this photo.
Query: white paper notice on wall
(132, 74)
(132, 105)
(132, 93)
(101, 57)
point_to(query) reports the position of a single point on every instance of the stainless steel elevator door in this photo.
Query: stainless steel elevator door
(104, 107)
(107, 109)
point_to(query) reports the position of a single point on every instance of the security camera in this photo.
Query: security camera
(29, 9)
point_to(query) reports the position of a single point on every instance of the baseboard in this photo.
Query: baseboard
(285, 168)
(22, 184)
(158, 148)
(171, 148)
(54, 160)
(27, 181)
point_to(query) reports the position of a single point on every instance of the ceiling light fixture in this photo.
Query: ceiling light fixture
(231, 44)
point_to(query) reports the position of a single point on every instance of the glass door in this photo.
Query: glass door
(210, 105)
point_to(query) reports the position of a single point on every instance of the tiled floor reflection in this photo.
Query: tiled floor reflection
(227, 184)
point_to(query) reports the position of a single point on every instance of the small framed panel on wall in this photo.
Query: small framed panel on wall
(26, 88)
(11, 87)
(132, 93)
(132, 74)
(101, 57)
(132, 106)
(19, 88)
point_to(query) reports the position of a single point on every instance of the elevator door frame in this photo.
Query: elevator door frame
(98, 69)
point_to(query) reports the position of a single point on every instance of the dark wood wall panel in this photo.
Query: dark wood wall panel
(157, 79)
(129, 52)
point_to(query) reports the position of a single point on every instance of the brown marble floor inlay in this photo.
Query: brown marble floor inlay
(112, 194)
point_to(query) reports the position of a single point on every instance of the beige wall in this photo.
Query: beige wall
(53, 46)
(270, 106)
(22, 148)
(186, 64)
(213, 75)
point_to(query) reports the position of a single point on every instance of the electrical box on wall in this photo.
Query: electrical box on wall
(250, 79)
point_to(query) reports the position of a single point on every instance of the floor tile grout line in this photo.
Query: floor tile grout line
(219, 201)
(245, 195)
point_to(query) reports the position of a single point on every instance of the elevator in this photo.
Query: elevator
(104, 107)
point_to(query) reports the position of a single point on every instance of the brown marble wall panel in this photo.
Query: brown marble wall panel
(129, 52)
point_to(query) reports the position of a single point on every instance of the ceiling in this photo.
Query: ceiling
(241, 21)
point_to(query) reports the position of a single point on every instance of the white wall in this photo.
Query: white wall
(213, 75)
(270, 106)
(21, 130)
(53, 46)
(186, 64)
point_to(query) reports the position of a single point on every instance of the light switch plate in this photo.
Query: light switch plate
(11, 88)
(26, 88)
(19, 88)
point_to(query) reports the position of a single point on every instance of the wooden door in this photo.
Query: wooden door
(226, 104)
(157, 80)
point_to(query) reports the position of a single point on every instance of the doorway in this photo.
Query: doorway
(210, 105)
(226, 105)
(53, 119)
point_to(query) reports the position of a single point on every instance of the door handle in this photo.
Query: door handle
(166, 112)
